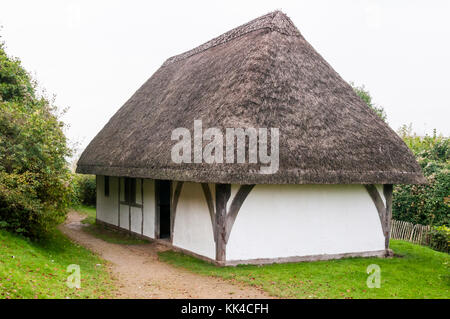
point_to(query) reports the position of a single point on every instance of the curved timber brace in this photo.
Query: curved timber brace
(210, 203)
(173, 207)
(224, 220)
(384, 211)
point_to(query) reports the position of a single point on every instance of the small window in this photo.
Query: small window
(106, 186)
(130, 190)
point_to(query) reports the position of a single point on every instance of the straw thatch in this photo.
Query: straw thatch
(261, 74)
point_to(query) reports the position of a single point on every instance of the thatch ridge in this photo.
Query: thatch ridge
(261, 74)
(274, 21)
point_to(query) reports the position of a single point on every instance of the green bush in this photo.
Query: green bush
(35, 189)
(84, 190)
(425, 204)
(420, 204)
(440, 238)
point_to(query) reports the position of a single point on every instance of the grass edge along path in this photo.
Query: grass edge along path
(105, 233)
(415, 272)
(38, 269)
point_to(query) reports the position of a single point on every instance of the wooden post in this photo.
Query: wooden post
(142, 208)
(223, 192)
(118, 202)
(387, 190)
(384, 210)
(157, 213)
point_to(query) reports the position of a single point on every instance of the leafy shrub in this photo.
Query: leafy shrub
(84, 190)
(425, 204)
(35, 187)
(440, 238)
(420, 204)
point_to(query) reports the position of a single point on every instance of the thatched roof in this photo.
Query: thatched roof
(261, 74)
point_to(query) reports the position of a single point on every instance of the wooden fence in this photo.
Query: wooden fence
(418, 234)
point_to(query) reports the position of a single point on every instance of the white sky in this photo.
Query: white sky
(93, 55)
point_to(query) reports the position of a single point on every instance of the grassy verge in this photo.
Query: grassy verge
(105, 233)
(419, 273)
(38, 269)
(113, 236)
(90, 213)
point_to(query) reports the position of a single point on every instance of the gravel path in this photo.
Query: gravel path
(139, 273)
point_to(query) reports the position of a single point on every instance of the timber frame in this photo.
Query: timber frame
(122, 202)
(384, 210)
(173, 206)
(378, 253)
(224, 219)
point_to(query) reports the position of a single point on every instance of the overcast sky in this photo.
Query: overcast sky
(93, 55)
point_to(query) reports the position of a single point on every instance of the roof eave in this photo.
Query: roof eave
(281, 177)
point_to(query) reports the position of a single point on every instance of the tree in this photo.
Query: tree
(366, 97)
(35, 186)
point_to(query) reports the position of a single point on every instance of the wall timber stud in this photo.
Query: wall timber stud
(387, 190)
(118, 202)
(96, 193)
(157, 222)
(384, 211)
(142, 208)
(129, 218)
(224, 220)
(223, 192)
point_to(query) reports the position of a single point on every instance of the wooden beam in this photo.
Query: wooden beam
(384, 210)
(157, 212)
(118, 203)
(142, 208)
(223, 192)
(236, 204)
(210, 203)
(129, 217)
(96, 196)
(173, 206)
(131, 204)
(387, 190)
(376, 198)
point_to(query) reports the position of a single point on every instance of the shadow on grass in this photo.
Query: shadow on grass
(112, 236)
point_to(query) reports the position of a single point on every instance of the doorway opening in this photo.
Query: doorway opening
(163, 202)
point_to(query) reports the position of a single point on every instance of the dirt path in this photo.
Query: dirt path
(140, 274)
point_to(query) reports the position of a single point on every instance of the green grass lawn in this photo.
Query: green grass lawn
(90, 213)
(38, 269)
(105, 233)
(417, 272)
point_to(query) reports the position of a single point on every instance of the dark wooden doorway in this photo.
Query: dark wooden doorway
(163, 207)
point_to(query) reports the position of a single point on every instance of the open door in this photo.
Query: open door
(163, 207)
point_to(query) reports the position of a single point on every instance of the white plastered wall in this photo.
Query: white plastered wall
(302, 220)
(107, 210)
(193, 229)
